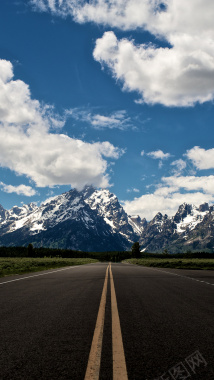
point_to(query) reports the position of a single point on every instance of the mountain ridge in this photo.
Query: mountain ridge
(94, 220)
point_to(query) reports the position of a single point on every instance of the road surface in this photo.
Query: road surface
(109, 322)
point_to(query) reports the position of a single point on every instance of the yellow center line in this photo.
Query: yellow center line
(119, 362)
(93, 368)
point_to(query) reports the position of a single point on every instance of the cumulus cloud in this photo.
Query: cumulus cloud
(204, 183)
(179, 75)
(118, 119)
(28, 147)
(28, 191)
(18, 108)
(16, 105)
(159, 155)
(169, 195)
(201, 158)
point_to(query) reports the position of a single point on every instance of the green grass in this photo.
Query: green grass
(9, 266)
(175, 263)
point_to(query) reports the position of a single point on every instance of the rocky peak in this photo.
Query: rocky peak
(204, 207)
(144, 222)
(138, 221)
(183, 210)
(159, 218)
(16, 210)
(87, 191)
(107, 205)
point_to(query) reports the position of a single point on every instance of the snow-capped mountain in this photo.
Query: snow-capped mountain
(191, 228)
(108, 207)
(91, 220)
(94, 220)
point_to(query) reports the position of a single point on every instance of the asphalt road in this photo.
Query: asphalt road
(47, 323)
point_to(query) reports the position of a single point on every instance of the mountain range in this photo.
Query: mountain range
(94, 220)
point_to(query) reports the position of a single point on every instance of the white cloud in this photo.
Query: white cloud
(123, 14)
(133, 189)
(113, 13)
(51, 159)
(40, 5)
(100, 121)
(178, 16)
(179, 166)
(27, 146)
(159, 155)
(201, 158)
(16, 105)
(170, 194)
(28, 191)
(180, 75)
(118, 119)
(18, 108)
(142, 153)
(189, 183)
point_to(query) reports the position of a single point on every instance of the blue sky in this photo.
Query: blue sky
(118, 97)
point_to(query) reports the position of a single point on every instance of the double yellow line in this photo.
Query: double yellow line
(119, 362)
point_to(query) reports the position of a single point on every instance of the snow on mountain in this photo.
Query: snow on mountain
(189, 216)
(47, 215)
(95, 212)
(137, 224)
(66, 207)
(109, 208)
(190, 228)
(94, 219)
(106, 205)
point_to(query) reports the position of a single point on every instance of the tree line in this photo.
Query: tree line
(115, 256)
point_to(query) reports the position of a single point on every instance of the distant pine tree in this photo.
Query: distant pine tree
(165, 252)
(30, 250)
(136, 250)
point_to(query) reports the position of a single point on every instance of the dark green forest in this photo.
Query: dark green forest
(115, 256)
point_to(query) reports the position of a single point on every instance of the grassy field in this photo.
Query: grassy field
(10, 266)
(175, 263)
